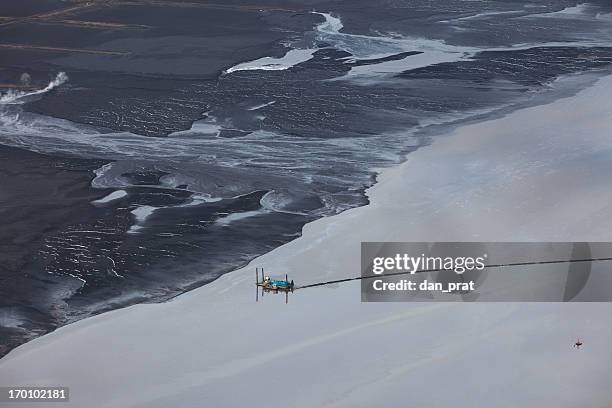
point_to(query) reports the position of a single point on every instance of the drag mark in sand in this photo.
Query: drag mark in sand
(60, 49)
(103, 25)
(162, 3)
(52, 15)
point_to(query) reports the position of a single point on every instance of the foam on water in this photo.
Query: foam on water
(17, 97)
(228, 219)
(293, 56)
(205, 126)
(115, 195)
(290, 59)
(362, 47)
(482, 16)
(432, 52)
(197, 199)
(278, 202)
(358, 45)
(262, 105)
(291, 158)
(11, 319)
(580, 10)
(141, 213)
(365, 47)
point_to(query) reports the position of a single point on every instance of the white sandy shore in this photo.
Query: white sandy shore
(541, 173)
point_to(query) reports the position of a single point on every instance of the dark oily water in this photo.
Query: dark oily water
(186, 173)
